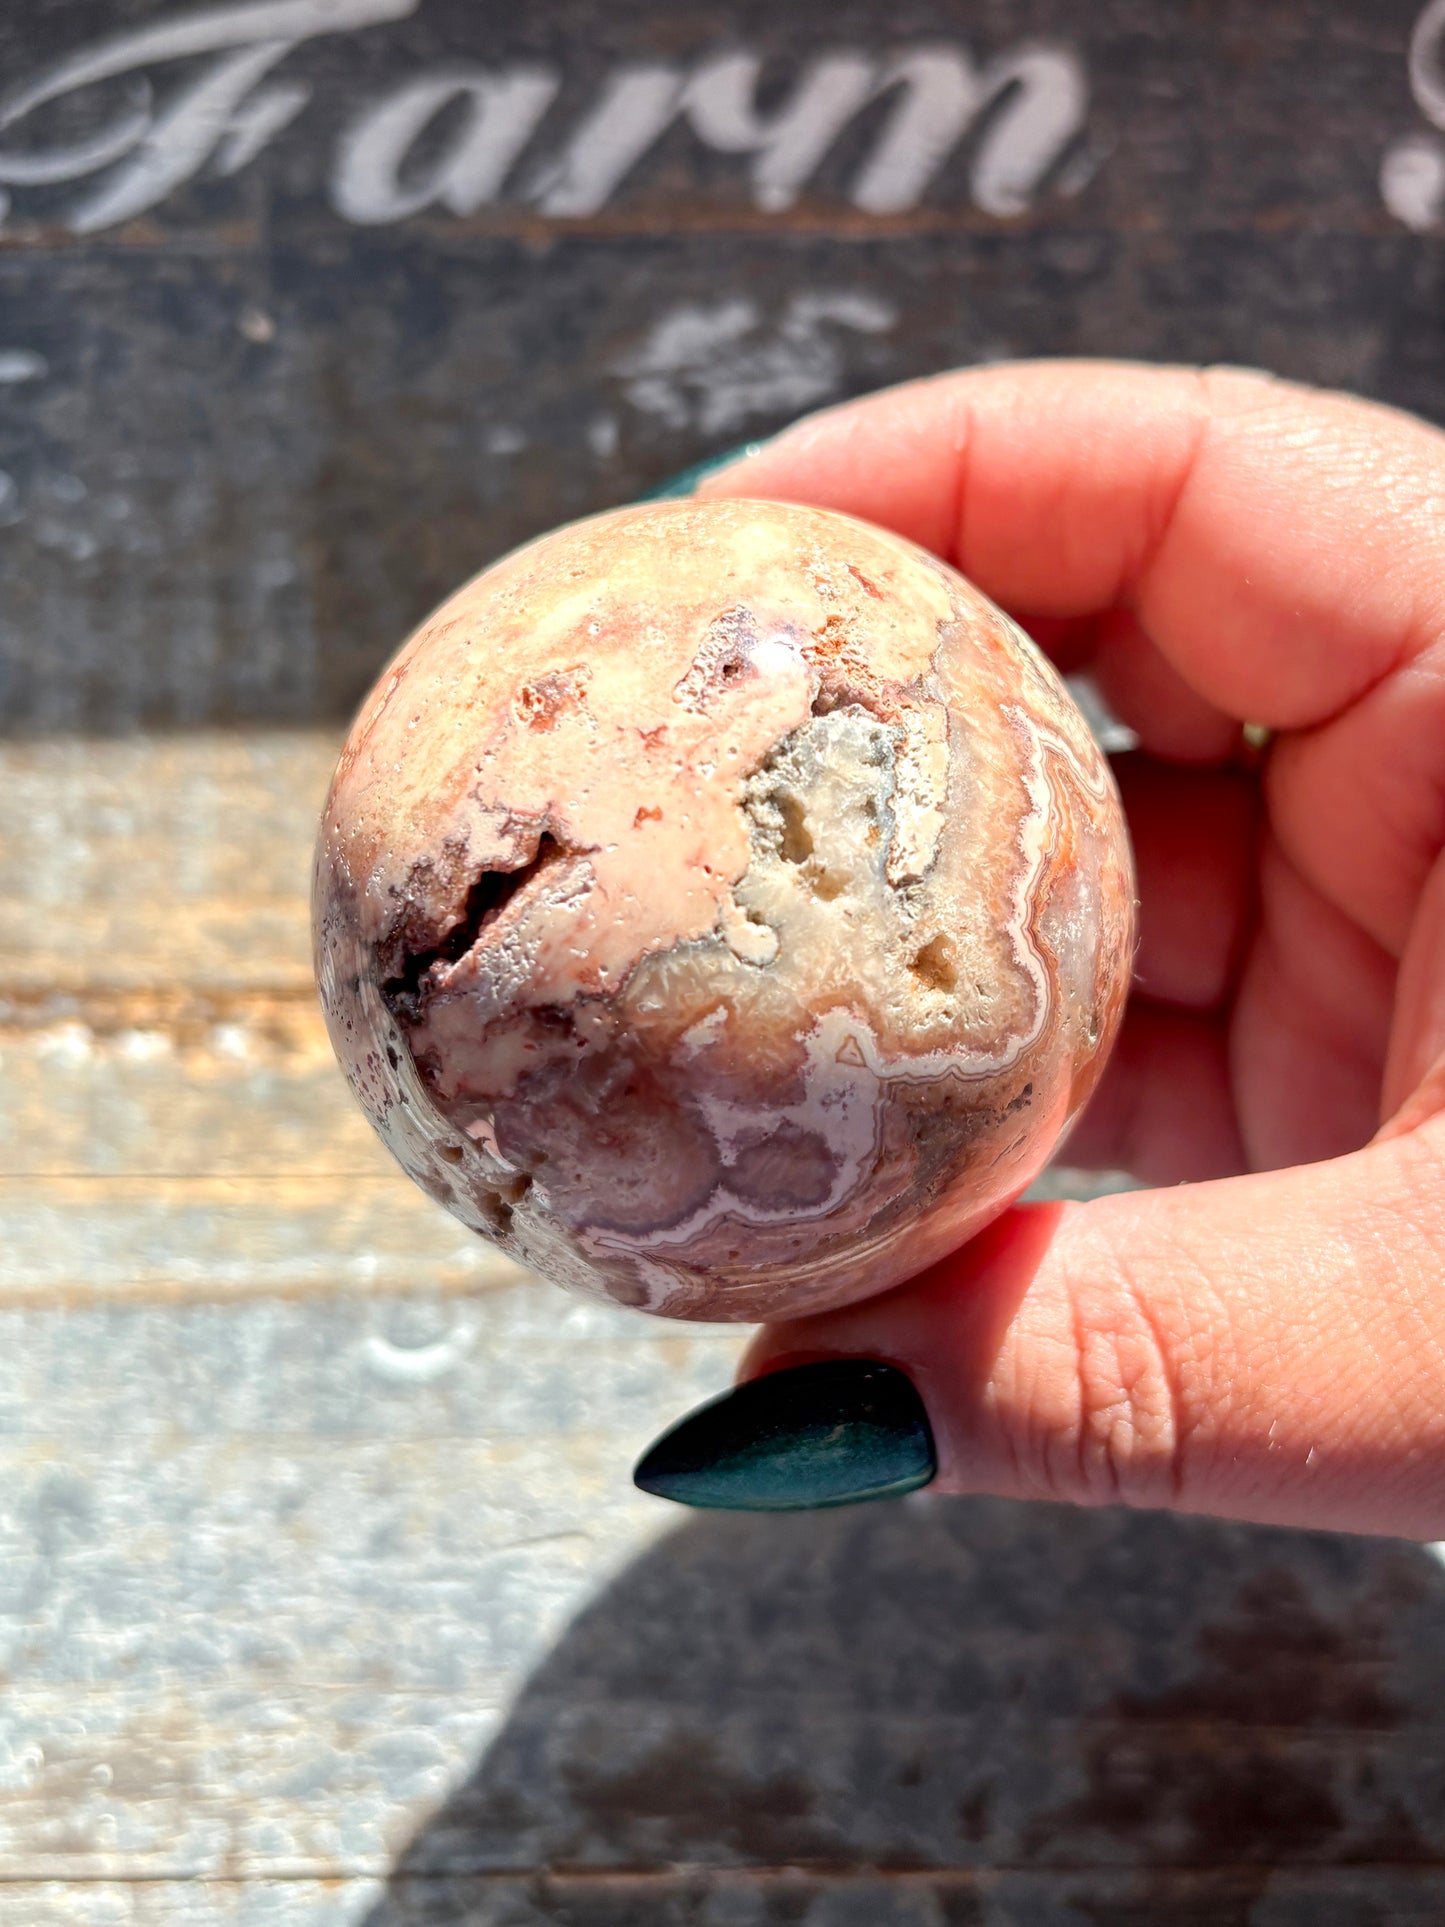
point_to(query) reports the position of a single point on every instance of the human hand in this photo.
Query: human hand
(1267, 1340)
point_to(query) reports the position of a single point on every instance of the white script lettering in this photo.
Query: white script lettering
(454, 138)
(1427, 81)
(502, 112)
(157, 152)
(1412, 169)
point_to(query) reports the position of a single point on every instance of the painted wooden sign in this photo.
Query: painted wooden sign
(310, 307)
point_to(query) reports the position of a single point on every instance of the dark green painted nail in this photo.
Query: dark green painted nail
(678, 486)
(818, 1435)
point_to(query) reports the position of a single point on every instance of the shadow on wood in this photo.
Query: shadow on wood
(948, 1712)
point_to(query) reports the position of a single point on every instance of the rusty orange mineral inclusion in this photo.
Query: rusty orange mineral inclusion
(722, 907)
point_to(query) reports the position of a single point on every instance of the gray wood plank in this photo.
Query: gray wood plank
(296, 1592)
(270, 1574)
(286, 1587)
(272, 384)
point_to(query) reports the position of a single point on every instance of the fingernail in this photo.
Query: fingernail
(832, 1433)
(677, 486)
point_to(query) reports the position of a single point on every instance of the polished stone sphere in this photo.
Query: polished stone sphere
(722, 907)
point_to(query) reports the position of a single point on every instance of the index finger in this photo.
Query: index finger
(1281, 546)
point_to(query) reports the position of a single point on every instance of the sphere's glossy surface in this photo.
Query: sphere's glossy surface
(723, 907)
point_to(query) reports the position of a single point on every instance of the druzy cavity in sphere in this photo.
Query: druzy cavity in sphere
(723, 907)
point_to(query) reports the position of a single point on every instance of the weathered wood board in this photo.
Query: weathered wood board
(308, 1620)
(172, 1121)
(308, 308)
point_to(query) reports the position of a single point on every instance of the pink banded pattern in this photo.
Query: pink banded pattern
(723, 907)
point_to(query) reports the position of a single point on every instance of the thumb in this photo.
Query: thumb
(1268, 1348)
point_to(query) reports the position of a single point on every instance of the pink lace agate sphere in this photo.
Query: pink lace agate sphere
(722, 907)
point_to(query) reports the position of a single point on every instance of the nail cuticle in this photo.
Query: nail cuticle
(829, 1433)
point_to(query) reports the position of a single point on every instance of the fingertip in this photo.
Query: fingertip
(1257, 1348)
(945, 1329)
(892, 458)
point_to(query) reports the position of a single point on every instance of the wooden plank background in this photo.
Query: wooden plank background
(325, 1599)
